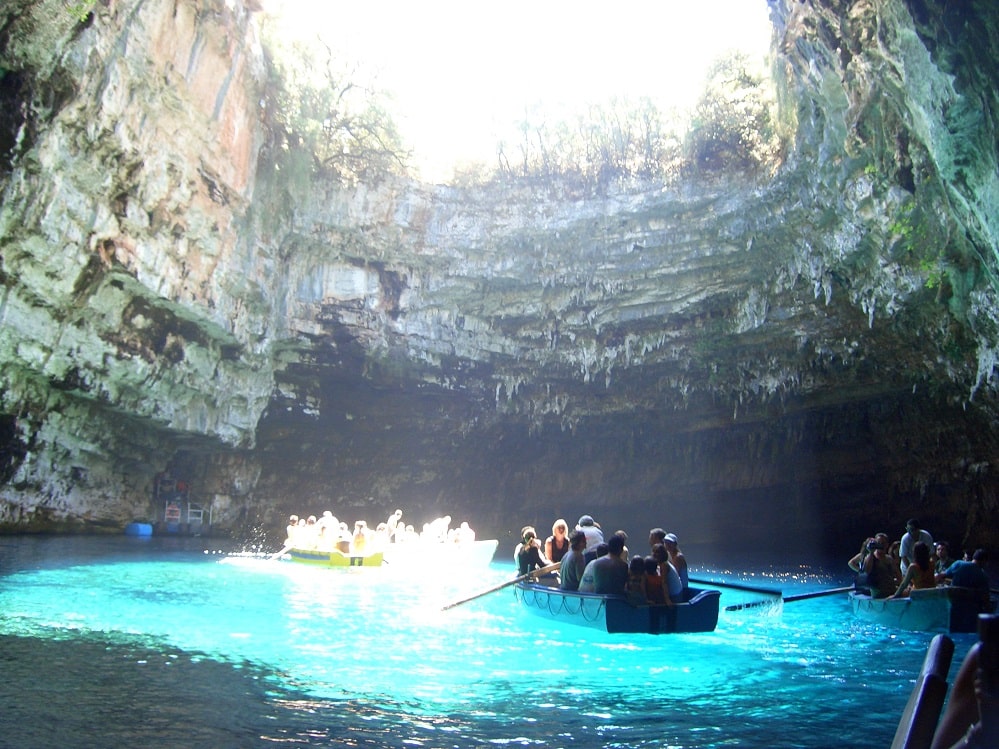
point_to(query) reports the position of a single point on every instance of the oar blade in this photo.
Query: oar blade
(758, 604)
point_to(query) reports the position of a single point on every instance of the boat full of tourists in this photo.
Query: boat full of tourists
(946, 608)
(613, 614)
(329, 542)
(335, 558)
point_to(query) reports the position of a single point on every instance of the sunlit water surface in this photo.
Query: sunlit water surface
(173, 643)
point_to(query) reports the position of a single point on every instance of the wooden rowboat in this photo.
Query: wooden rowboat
(334, 558)
(613, 614)
(943, 609)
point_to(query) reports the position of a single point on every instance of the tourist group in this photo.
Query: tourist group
(893, 570)
(590, 563)
(327, 533)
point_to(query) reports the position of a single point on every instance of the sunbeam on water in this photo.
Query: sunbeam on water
(119, 642)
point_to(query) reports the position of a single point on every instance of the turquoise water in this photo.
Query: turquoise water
(175, 643)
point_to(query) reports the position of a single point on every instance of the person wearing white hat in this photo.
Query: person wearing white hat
(594, 536)
(676, 558)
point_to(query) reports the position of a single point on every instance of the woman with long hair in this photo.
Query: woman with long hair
(557, 544)
(919, 574)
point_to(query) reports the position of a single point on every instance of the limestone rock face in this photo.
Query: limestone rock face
(126, 277)
(806, 355)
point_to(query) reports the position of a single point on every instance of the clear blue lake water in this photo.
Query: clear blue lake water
(125, 642)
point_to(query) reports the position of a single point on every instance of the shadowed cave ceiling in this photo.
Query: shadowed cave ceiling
(805, 355)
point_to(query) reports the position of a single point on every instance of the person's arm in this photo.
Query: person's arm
(538, 556)
(682, 566)
(545, 558)
(869, 562)
(548, 547)
(949, 572)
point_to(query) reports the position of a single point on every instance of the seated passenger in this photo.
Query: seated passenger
(919, 574)
(587, 582)
(360, 540)
(944, 559)
(309, 534)
(572, 564)
(291, 531)
(381, 538)
(671, 578)
(610, 572)
(624, 546)
(594, 535)
(464, 534)
(969, 575)
(557, 544)
(635, 589)
(880, 571)
(528, 554)
(344, 539)
(327, 519)
(655, 588)
(438, 528)
(326, 539)
(677, 559)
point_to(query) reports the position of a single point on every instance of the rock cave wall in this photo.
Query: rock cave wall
(807, 354)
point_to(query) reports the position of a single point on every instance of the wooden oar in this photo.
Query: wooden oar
(790, 599)
(818, 593)
(520, 578)
(737, 586)
(751, 604)
(281, 553)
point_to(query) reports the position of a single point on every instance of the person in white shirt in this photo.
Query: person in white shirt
(594, 536)
(913, 533)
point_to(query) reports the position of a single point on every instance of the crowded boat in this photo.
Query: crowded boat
(325, 539)
(588, 578)
(916, 584)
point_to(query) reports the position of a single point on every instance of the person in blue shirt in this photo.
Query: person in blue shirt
(573, 564)
(971, 574)
(610, 572)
